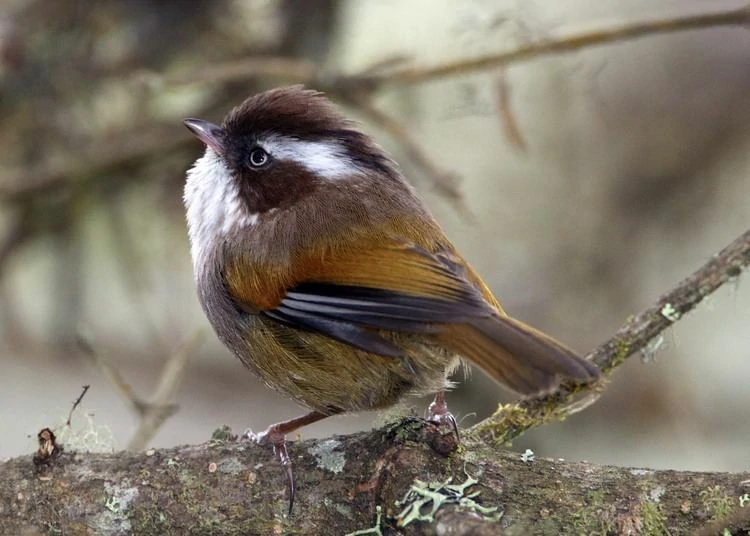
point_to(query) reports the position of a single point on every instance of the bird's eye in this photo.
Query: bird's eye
(258, 157)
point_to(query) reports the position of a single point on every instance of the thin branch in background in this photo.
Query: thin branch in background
(16, 235)
(99, 159)
(571, 43)
(445, 183)
(19, 232)
(104, 156)
(161, 407)
(113, 376)
(152, 413)
(132, 268)
(292, 69)
(507, 118)
(512, 420)
(77, 403)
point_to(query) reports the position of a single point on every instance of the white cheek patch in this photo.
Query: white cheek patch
(326, 159)
(213, 205)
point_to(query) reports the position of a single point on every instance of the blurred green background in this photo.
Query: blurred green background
(595, 181)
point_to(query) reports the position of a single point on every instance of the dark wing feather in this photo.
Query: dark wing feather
(336, 329)
(355, 299)
(353, 314)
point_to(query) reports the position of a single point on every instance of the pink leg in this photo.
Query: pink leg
(438, 413)
(276, 435)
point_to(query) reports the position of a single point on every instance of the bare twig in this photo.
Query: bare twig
(292, 69)
(511, 420)
(154, 412)
(76, 403)
(444, 182)
(109, 371)
(16, 235)
(507, 118)
(98, 159)
(578, 41)
(161, 407)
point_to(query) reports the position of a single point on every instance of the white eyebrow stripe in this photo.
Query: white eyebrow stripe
(325, 158)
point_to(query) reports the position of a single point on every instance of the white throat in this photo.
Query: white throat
(213, 205)
(212, 198)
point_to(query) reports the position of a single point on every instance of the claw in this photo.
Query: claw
(279, 449)
(276, 435)
(438, 413)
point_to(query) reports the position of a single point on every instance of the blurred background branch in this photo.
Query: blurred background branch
(152, 413)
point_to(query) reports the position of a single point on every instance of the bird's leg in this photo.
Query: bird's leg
(438, 413)
(276, 436)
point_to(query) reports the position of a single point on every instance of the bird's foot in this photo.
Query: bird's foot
(275, 436)
(438, 413)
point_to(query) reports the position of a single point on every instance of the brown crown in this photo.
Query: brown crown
(290, 111)
(303, 114)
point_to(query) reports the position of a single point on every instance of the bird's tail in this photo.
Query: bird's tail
(517, 355)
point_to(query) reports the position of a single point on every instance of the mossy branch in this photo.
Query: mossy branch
(512, 420)
(346, 484)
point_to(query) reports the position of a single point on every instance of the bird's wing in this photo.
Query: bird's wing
(352, 296)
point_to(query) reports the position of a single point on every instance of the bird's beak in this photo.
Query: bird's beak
(210, 134)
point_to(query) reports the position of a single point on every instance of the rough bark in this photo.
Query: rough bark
(235, 487)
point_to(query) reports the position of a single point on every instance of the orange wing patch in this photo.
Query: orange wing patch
(400, 269)
(423, 263)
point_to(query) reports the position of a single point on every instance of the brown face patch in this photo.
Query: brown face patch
(296, 114)
(279, 185)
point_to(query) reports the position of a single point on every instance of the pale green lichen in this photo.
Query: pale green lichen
(86, 436)
(656, 494)
(648, 352)
(112, 504)
(423, 500)
(231, 466)
(641, 472)
(327, 457)
(222, 435)
(113, 519)
(670, 313)
(375, 529)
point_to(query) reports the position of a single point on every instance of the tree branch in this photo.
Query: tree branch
(512, 420)
(154, 412)
(343, 482)
(571, 43)
(157, 139)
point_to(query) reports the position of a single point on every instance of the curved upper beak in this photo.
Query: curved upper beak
(210, 134)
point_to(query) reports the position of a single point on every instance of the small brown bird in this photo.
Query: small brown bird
(325, 274)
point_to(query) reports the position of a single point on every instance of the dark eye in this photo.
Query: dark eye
(258, 157)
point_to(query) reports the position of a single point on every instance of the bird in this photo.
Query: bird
(318, 265)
